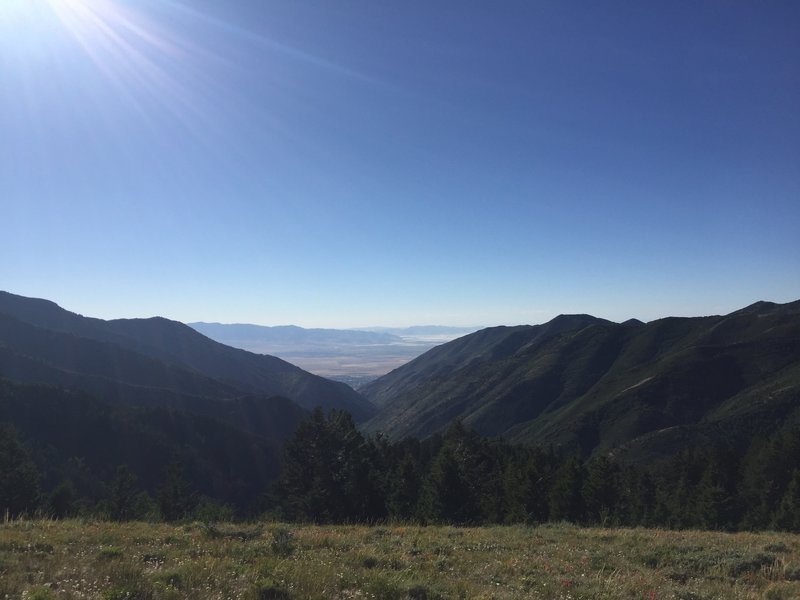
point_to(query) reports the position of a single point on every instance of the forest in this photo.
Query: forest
(332, 473)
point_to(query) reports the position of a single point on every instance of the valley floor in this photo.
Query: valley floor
(136, 561)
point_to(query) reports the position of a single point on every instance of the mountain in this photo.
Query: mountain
(424, 331)
(75, 436)
(350, 355)
(149, 361)
(593, 385)
(242, 335)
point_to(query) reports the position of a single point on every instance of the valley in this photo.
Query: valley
(503, 425)
(355, 357)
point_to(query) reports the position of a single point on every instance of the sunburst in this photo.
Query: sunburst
(153, 68)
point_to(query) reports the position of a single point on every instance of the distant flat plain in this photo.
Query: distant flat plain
(336, 354)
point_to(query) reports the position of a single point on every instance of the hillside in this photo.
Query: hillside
(73, 436)
(148, 360)
(590, 384)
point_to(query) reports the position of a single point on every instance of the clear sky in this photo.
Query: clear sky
(355, 163)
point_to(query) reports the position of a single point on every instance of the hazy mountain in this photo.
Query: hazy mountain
(589, 383)
(149, 359)
(353, 356)
(424, 331)
(237, 334)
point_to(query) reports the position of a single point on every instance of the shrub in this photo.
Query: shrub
(268, 589)
(172, 579)
(384, 588)
(782, 591)
(40, 593)
(110, 553)
(282, 542)
(369, 562)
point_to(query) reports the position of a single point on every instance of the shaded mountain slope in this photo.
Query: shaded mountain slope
(117, 375)
(591, 384)
(77, 437)
(127, 343)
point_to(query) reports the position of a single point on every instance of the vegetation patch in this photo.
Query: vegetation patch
(159, 561)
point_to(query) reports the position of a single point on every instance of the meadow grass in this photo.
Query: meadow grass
(42, 560)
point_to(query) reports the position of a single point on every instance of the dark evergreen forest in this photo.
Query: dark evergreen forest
(332, 473)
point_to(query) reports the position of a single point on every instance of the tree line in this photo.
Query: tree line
(122, 498)
(332, 473)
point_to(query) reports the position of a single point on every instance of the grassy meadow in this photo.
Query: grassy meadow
(137, 561)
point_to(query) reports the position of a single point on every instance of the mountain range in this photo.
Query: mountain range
(595, 386)
(90, 394)
(354, 356)
(242, 334)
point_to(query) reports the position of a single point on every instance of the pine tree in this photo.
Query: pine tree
(566, 501)
(122, 494)
(787, 517)
(19, 478)
(330, 473)
(710, 502)
(449, 497)
(404, 488)
(600, 490)
(61, 500)
(515, 492)
(539, 469)
(176, 499)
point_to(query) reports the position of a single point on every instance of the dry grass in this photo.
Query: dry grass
(143, 561)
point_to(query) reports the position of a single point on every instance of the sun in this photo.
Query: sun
(123, 43)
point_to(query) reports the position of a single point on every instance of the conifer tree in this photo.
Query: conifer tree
(566, 500)
(329, 472)
(540, 469)
(600, 489)
(176, 499)
(448, 495)
(122, 495)
(787, 517)
(403, 488)
(61, 500)
(711, 505)
(19, 478)
(515, 492)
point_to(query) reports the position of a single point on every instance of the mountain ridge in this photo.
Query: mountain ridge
(584, 382)
(179, 345)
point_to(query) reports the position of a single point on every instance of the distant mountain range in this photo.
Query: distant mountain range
(351, 355)
(589, 384)
(424, 331)
(238, 334)
(149, 361)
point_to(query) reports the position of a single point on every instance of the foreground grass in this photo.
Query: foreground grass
(143, 561)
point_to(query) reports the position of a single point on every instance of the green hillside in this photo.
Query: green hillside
(586, 383)
(73, 436)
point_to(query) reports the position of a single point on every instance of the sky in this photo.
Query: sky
(356, 163)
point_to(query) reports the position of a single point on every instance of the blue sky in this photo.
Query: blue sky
(358, 163)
